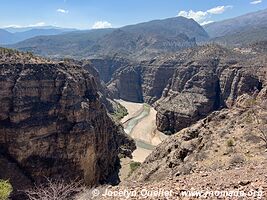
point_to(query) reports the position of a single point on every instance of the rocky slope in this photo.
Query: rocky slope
(237, 24)
(225, 139)
(223, 152)
(52, 124)
(187, 86)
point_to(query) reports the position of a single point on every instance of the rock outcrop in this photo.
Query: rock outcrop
(52, 123)
(210, 78)
(187, 86)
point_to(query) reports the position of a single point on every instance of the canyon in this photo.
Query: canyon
(160, 96)
(187, 86)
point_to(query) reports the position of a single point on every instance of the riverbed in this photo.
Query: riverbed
(140, 124)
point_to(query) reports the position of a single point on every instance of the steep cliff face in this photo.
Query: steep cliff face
(209, 79)
(52, 123)
(127, 84)
(144, 82)
(106, 66)
(187, 86)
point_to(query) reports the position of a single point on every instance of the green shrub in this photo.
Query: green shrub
(5, 189)
(120, 112)
(134, 166)
(230, 143)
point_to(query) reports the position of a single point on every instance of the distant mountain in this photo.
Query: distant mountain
(14, 35)
(6, 37)
(169, 28)
(23, 29)
(241, 30)
(237, 24)
(138, 41)
(244, 37)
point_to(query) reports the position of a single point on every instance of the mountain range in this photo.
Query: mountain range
(140, 41)
(13, 35)
(248, 28)
(136, 41)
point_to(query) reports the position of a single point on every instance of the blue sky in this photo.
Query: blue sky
(85, 14)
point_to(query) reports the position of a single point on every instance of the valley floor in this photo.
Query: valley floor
(140, 124)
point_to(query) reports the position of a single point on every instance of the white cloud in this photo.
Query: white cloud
(198, 15)
(256, 2)
(206, 22)
(60, 10)
(202, 17)
(218, 10)
(38, 24)
(101, 24)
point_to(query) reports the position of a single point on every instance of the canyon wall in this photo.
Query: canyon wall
(52, 124)
(187, 86)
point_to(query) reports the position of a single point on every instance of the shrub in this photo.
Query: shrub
(120, 112)
(55, 190)
(230, 143)
(5, 189)
(134, 166)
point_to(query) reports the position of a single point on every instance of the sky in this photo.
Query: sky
(87, 14)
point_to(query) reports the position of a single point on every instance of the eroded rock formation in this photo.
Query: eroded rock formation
(52, 123)
(187, 86)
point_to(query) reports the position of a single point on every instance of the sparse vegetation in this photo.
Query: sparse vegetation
(55, 190)
(120, 112)
(134, 166)
(259, 114)
(5, 189)
(8, 56)
(230, 143)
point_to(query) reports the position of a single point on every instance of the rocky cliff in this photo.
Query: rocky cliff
(106, 66)
(209, 78)
(52, 124)
(142, 82)
(187, 86)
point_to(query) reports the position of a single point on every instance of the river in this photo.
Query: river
(140, 124)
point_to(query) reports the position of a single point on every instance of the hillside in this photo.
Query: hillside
(244, 37)
(237, 24)
(222, 153)
(242, 30)
(6, 37)
(187, 86)
(138, 41)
